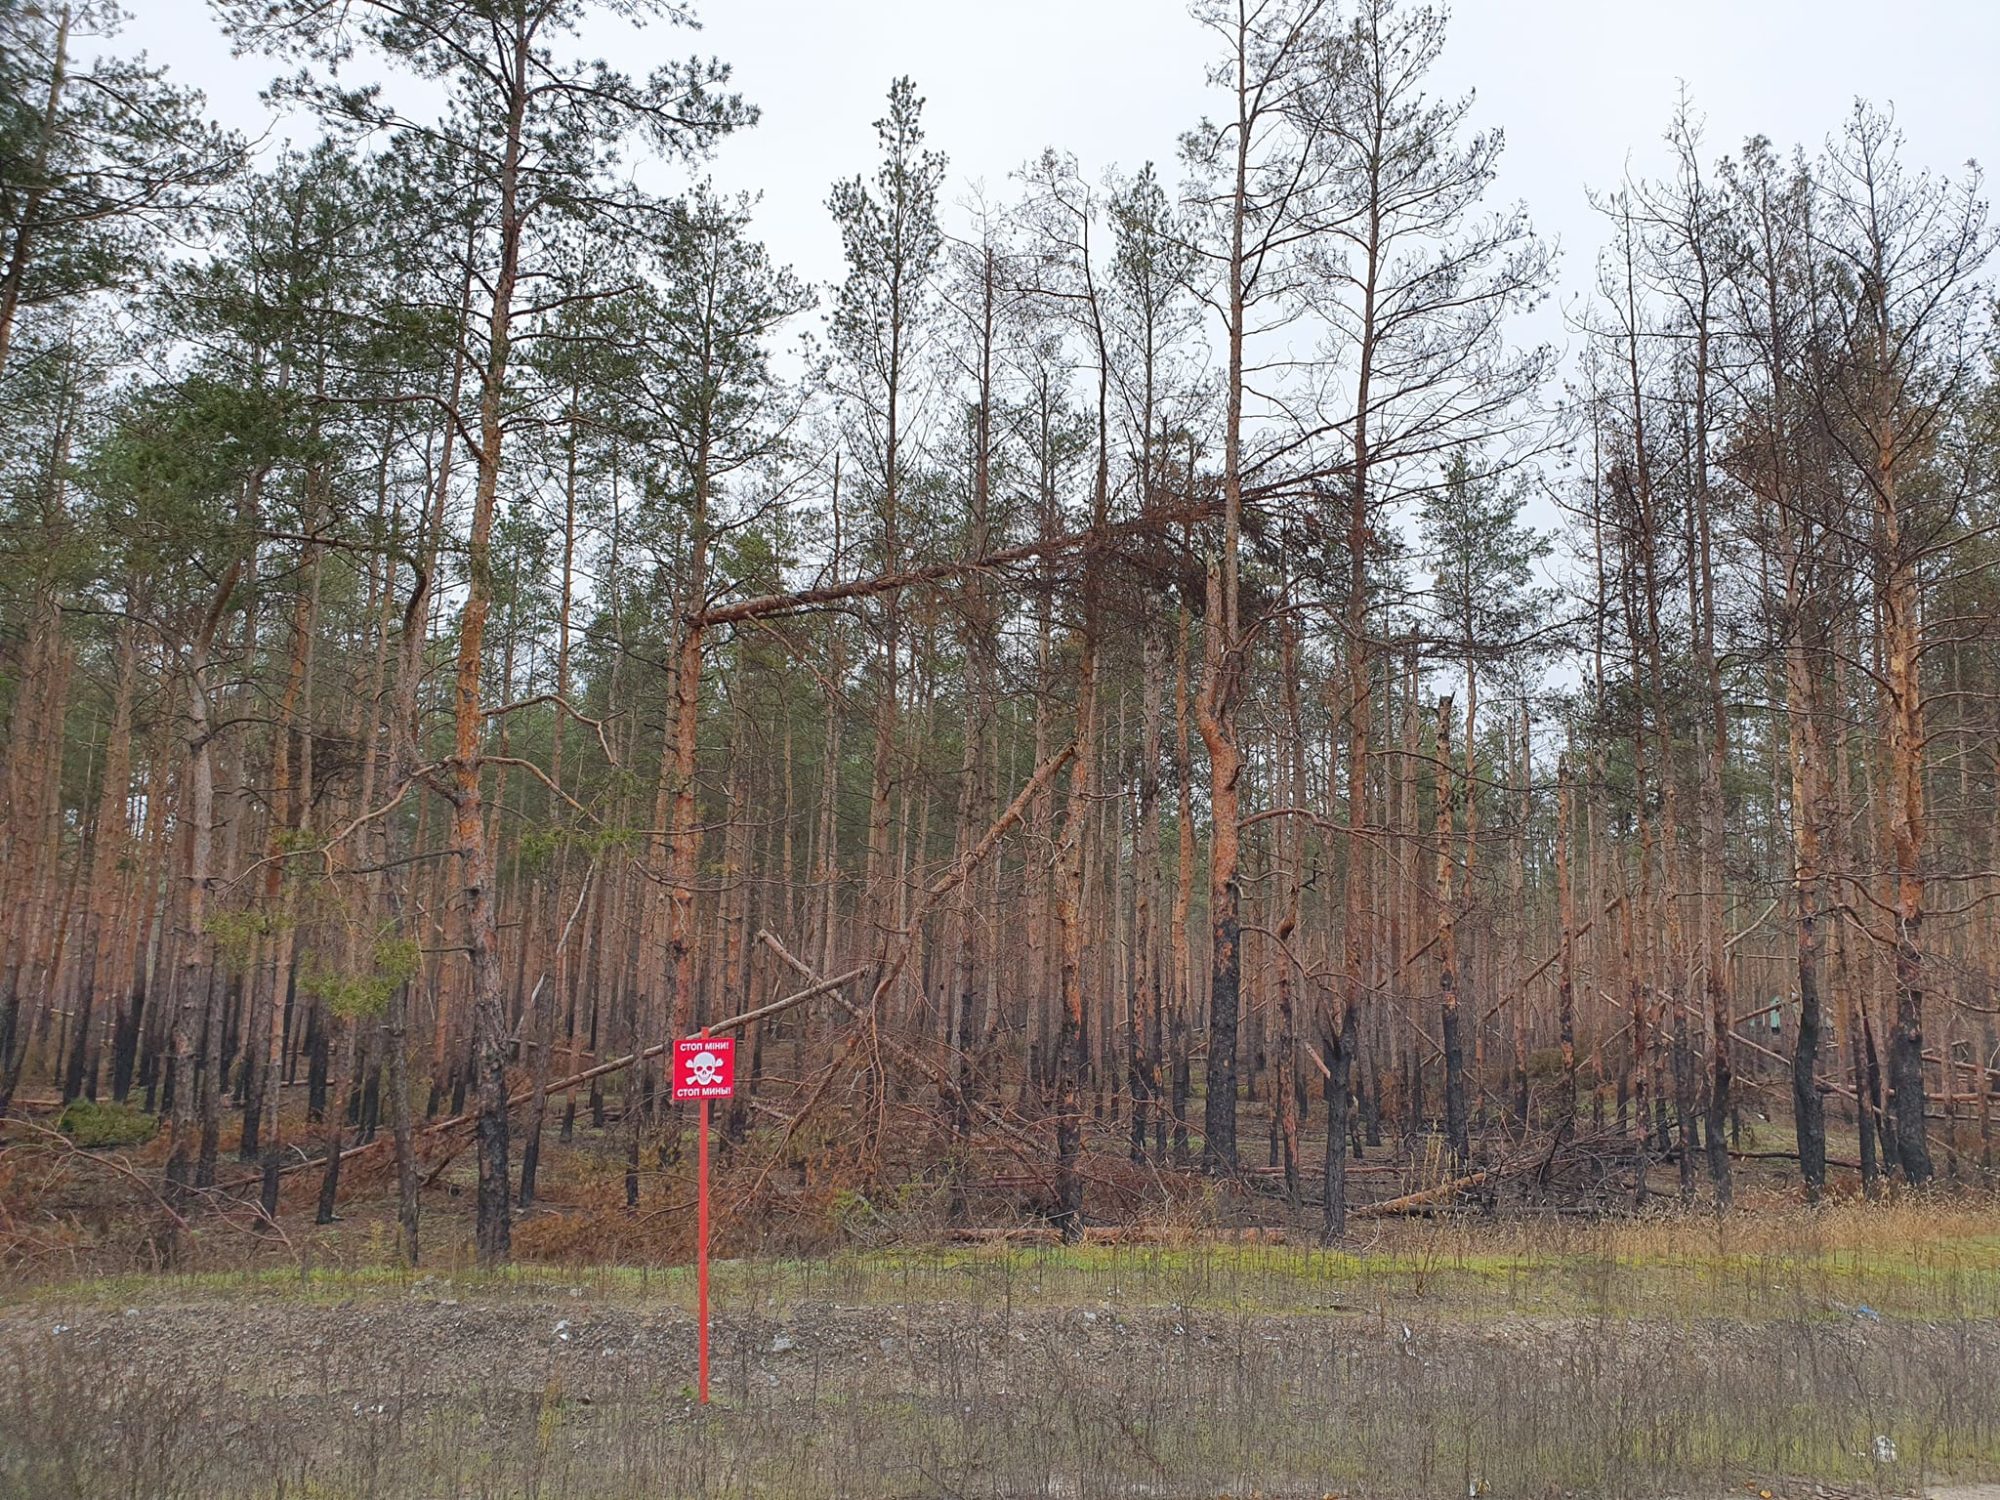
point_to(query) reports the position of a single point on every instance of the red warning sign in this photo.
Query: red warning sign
(705, 1067)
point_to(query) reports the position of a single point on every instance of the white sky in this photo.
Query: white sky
(1579, 86)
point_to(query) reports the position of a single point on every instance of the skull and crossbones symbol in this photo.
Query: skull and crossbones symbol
(704, 1069)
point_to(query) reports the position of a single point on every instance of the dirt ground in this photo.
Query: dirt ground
(1003, 1372)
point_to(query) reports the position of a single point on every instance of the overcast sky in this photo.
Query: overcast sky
(1579, 86)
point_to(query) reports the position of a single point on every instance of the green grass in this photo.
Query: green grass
(93, 1125)
(1608, 1273)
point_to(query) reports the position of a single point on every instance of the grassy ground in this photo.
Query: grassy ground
(1855, 1350)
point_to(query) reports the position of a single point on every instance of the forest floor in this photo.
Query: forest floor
(1780, 1352)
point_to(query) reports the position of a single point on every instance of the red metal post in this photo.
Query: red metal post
(701, 1251)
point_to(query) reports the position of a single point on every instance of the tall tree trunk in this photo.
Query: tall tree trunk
(1901, 650)
(1214, 714)
(1455, 1122)
(1566, 958)
(1183, 964)
(196, 944)
(110, 847)
(1071, 1059)
(490, 1039)
(1144, 1040)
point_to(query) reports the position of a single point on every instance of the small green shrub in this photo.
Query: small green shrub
(91, 1124)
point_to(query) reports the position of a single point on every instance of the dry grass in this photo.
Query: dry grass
(1674, 1355)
